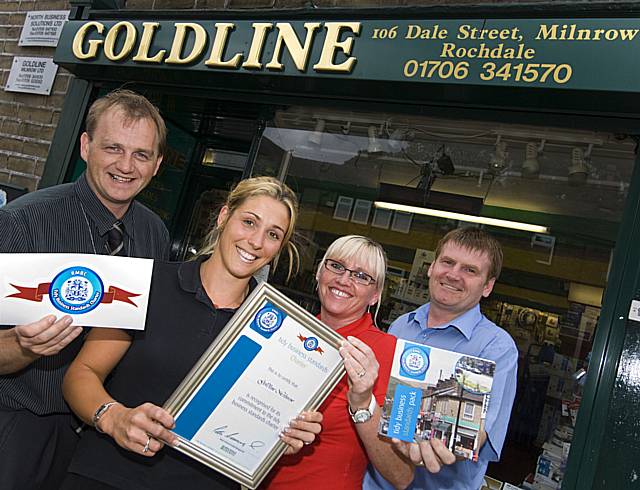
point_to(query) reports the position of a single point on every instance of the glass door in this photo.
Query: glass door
(552, 196)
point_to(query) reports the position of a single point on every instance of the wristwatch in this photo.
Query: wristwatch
(102, 409)
(363, 415)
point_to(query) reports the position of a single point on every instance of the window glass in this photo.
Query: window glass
(556, 196)
(468, 410)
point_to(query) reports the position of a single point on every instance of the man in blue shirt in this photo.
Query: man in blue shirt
(467, 264)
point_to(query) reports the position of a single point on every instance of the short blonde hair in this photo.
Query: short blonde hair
(256, 187)
(365, 251)
(135, 108)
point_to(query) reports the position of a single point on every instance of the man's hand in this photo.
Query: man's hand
(431, 454)
(47, 336)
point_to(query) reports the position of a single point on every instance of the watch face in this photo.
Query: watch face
(361, 416)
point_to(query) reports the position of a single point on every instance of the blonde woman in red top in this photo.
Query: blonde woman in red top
(350, 282)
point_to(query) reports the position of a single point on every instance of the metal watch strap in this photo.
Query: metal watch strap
(369, 410)
(102, 409)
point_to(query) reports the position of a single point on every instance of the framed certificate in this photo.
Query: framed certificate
(272, 361)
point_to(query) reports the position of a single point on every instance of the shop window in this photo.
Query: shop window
(552, 196)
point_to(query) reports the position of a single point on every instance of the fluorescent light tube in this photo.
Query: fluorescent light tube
(516, 225)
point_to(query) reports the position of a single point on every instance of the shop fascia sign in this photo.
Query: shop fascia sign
(130, 41)
(591, 54)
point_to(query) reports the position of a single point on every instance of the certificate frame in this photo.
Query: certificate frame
(217, 352)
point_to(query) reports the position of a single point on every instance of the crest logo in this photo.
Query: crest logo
(414, 362)
(311, 344)
(269, 319)
(76, 290)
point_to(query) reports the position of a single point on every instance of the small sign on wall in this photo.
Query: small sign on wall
(43, 28)
(31, 75)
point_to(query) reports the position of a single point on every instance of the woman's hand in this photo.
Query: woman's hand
(301, 431)
(143, 430)
(362, 371)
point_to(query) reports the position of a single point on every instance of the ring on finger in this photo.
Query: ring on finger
(420, 463)
(361, 373)
(146, 446)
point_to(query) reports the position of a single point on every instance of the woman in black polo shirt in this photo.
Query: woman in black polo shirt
(189, 305)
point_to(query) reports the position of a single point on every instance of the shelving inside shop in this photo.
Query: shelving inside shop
(554, 352)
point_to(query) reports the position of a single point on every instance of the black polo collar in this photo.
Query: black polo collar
(190, 281)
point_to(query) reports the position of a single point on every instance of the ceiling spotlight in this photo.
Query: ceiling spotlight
(399, 139)
(531, 165)
(579, 167)
(374, 143)
(316, 136)
(498, 162)
(445, 164)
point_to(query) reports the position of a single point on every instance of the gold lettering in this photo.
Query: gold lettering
(78, 41)
(332, 45)
(219, 45)
(628, 34)
(287, 36)
(572, 33)
(545, 32)
(435, 32)
(413, 31)
(450, 50)
(145, 45)
(112, 38)
(447, 50)
(584, 34)
(260, 30)
(464, 31)
(182, 30)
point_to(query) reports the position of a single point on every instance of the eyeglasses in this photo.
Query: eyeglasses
(339, 269)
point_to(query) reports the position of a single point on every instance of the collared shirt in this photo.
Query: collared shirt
(473, 334)
(68, 218)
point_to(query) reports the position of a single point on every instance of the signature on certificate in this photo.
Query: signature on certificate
(233, 436)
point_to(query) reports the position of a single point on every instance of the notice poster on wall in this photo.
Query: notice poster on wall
(31, 75)
(43, 28)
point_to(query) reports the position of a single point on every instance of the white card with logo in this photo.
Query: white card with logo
(95, 290)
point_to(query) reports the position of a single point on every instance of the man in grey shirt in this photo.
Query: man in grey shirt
(123, 147)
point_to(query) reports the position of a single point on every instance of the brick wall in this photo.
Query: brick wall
(284, 4)
(27, 121)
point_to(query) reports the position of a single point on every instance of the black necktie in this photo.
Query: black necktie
(115, 235)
